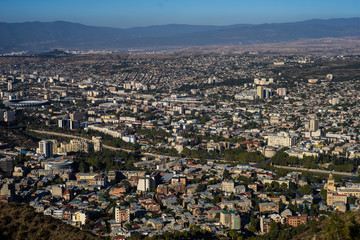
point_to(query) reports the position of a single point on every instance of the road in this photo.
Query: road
(104, 146)
(166, 156)
(317, 171)
(9, 153)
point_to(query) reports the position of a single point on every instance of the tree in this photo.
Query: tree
(274, 230)
(81, 167)
(200, 188)
(291, 206)
(233, 234)
(337, 229)
(281, 205)
(314, 211)
(323, 194)
(275, 186)
(283, 186)
(216, 199)
(59, 180)
(351, 200)
(254, 224)
(306, 190)
(354, 228)
(296, 207)
(232, 197)
(226, 173)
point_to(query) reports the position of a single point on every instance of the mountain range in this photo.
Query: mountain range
(44, 36)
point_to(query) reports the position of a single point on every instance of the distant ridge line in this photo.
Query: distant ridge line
(45, 36)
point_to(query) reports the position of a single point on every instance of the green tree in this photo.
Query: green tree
(337, 229)
(232, 197)
(281, 205)
(200, 188)
(323, 194)
(226, 173)
(274, 230)
(254, 224)
(233, 234)
(354, 228)
(306, 189)
(283, 186)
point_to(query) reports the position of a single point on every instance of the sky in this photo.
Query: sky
(132, 13)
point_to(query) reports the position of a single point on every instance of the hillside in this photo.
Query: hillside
(43, 36)
(337, 226)
(19, 221)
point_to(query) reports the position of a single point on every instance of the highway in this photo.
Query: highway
(104, 146)
(166, 156)
(317, 171)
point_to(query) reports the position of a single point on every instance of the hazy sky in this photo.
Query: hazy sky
(129, 13)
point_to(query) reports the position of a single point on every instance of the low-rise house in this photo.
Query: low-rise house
(269, 207)
(296, 220)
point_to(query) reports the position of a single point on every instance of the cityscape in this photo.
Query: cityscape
(147, 145)
(204, 129)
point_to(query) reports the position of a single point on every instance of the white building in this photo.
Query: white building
(129, 139)
(281, 91)
(97, 143)
(146, 183)
(282, 139)
(46, 148)
(79, 217)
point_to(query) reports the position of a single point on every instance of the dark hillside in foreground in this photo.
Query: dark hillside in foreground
(19, 221)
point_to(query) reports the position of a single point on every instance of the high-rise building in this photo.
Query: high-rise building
(122, 214)
(78, 145)
(76, 116)
(46, 148)
(146, 183)
(281, 139)
(79, 217)
(268, 92)
(227, 186)
(178, 178)
(63, 123)
(7, 191)
(281, 91)
(10, 85)
(230, 219)
(235, 221)
(9, 116)
(2, 111)
(314, 125)
(97, 143)
(74, 124)
(260, 92)
(6, 164)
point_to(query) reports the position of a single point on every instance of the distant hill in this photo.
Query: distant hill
(44, 36)
(19, 221)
